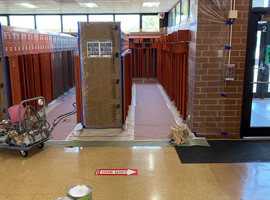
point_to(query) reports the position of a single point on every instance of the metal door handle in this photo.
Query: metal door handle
(259, 82)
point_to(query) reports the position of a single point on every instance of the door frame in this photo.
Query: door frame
(246, 130)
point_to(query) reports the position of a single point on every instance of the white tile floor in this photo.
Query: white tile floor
(260, 113)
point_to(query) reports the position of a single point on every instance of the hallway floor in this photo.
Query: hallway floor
(48, 173)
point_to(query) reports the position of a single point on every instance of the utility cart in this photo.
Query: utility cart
(27, 127)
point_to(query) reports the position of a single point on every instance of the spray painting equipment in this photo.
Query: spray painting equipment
(28, 126)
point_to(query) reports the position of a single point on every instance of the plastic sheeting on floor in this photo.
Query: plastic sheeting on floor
(62, 105)
(153, 118)
(150, 117)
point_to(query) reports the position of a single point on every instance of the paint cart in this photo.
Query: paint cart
(27, 127)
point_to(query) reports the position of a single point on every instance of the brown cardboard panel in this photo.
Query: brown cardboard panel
(100, 75)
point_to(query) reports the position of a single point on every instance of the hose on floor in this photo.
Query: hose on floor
(59, 118)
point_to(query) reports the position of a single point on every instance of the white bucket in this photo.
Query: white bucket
(80, 192)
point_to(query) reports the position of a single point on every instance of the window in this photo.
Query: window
(177, 11)
(48, 23)
(170, 19)
(129, 23)
(24, 21)
(3, 20)
(184, 10)
(173, 16)
(260, 3)
(100, 18)
(70, 22)
(150, 23)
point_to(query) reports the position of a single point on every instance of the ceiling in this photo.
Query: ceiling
(72, 6)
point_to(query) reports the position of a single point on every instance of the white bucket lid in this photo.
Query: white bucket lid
(79, 191)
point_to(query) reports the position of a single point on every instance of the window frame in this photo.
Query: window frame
(86, 14)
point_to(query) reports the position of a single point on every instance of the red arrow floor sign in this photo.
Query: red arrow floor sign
(116, 172)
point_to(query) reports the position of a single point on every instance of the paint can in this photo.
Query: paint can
(80, 192)
(63, 198)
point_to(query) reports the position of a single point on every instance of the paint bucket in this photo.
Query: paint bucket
(63, 198)
(80, 192)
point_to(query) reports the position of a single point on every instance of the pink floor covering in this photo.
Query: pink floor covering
(63, 129)
(153, 118)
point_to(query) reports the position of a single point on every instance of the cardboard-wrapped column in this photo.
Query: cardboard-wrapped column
(101, 84)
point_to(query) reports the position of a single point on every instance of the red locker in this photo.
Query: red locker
(46, 77)
(15, 80)
(22, 77)
(29, 75)
(37, 75)
(78, 88)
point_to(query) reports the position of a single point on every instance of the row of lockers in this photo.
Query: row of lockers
(44, 74)
(172, 67)
(164, 57)
(176, 36)
(34, 64)
(19, 41)
(126, 75)
(127, 83)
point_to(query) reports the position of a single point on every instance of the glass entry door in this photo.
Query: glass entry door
(260, 110)
(256, 97)
(261, 86)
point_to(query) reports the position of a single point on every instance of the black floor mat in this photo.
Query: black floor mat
(226, 151)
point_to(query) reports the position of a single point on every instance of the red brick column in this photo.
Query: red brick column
(212, 114)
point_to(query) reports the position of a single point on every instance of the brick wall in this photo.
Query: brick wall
(212, 114)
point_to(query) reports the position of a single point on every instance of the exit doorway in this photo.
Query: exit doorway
(256, 96)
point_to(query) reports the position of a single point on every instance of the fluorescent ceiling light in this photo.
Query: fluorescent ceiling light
(28, 5)
(150, 4)
(89, 5)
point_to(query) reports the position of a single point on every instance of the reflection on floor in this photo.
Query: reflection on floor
(260, 114)
(48, 173)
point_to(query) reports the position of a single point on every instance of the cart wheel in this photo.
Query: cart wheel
(41, 145)
(24, 153)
